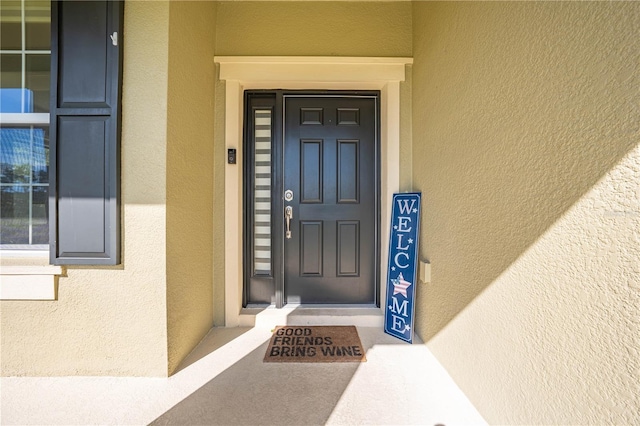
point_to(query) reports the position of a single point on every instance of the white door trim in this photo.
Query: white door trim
(292, 73)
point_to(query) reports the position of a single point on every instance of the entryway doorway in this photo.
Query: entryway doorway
(312, 198)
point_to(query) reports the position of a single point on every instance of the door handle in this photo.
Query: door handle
(288, 215)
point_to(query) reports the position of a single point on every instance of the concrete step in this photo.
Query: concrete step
(360, 316)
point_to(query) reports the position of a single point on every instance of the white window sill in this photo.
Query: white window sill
(24, 254)
(28, 282)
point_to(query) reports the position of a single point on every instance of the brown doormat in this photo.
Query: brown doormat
(315, 344)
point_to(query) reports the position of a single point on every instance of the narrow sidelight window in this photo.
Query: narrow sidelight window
(260, 156)
(262, 192)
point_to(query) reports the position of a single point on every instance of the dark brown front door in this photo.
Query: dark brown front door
(330, 167)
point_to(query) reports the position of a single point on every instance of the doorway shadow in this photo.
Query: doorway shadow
(399, 383)
(251, 392)
(215, 339)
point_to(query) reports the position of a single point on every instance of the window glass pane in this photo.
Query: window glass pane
(38, 81)
(10, 83)
(15, 155)
(11, 71)
(38, 24)
(40, 215)
(24, 160)
(262, 193)
(10, 25)
(40, 155)
(14, 217)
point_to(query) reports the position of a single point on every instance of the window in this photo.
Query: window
(74, 150)
(262, 192)
(25, 59)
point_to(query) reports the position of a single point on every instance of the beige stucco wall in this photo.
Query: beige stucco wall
(526, 129)
(220, 148)
(314, 28)
(113, 320)
(190, 201)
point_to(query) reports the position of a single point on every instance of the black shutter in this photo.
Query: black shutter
(86, 75)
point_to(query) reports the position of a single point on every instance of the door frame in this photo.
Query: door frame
(242, 73)
(276, 101)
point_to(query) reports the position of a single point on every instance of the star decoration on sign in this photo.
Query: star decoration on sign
(410, 240)
(395, 226)
(393, 268)
(400, 286)
(407, 327)
(415, 210)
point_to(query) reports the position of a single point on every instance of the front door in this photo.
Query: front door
(324, 200)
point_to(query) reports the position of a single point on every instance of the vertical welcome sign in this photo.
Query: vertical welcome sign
(403, 262)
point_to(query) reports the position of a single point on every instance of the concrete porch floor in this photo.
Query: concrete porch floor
(225, 382)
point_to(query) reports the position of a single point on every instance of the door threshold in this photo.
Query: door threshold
(291, 314)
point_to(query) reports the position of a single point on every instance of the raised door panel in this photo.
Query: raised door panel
(311, 242)
(348, 248)
(311, 182)
(348, 171)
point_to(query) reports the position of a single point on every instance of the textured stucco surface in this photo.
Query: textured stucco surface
(406, 145)
(526, 130)
(314, 28)
(112, 321)
(220, 148)
(190, 136)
